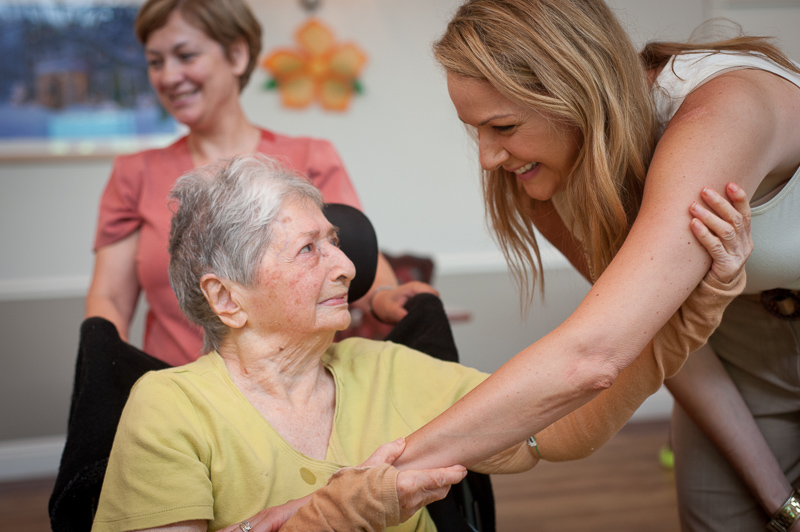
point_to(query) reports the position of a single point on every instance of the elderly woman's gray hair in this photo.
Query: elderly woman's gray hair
(222, 225)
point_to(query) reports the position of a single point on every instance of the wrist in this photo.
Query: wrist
(371, 301)
(787, 515)
(715, 282)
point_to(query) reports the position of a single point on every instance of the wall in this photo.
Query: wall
(408, 156)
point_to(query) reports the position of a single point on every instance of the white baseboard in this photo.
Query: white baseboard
(36, 288)
(30, 458)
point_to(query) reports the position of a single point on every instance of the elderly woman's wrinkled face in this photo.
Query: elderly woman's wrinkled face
(303, 278)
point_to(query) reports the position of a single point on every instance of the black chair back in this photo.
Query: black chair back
(106, 370)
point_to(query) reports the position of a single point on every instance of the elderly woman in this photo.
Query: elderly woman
(200, 56)
(270, 419)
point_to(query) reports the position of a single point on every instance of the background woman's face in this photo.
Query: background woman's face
(303, 278)
(539, 149)
(190, 72)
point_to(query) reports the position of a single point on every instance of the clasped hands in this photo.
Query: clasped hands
(415, 489)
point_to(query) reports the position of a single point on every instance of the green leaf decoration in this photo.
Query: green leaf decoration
(358, 87)
(270, 84)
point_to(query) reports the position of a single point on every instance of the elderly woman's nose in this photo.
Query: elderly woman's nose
(342, 265)
(492, 152)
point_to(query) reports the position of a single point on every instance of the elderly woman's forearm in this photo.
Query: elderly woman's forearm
(353, 499)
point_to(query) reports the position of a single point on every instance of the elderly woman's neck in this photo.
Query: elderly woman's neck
(277, 365)
(290, 386)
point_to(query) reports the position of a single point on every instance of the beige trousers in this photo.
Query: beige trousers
(762, 355)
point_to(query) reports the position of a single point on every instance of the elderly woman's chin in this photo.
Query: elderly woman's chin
(342, 319)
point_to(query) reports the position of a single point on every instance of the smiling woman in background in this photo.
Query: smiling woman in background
(200, 55)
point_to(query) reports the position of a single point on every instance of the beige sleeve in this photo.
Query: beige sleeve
(584, 430)
(355, 498)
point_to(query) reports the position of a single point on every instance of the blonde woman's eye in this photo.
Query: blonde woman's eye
(503, 129)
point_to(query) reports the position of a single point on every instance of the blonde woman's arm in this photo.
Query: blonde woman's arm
(706, 145)
(581, 432)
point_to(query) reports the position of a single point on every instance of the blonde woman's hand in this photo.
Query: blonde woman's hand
(724, 230)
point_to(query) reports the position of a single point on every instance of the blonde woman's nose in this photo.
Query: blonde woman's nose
(492, 153)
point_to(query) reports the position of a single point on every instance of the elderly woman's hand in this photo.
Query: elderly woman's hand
(388, 305)
(725, 232)
(416, 488)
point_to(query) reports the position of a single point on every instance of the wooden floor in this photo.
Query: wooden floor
(620, 488)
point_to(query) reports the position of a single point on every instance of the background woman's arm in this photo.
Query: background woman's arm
(114, 291)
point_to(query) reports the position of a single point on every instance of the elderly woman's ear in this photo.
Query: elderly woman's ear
(222, 297)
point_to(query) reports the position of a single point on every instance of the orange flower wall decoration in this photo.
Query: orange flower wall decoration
(318, 69)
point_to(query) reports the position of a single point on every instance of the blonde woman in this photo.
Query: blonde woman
(601, 149)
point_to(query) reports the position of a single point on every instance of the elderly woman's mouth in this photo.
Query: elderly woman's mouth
(340, 299)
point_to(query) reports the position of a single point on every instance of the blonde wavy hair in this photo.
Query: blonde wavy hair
(573, 59)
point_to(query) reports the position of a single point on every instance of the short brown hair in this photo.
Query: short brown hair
(225, 21)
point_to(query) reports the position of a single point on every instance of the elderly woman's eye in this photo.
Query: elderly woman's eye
(308, 248)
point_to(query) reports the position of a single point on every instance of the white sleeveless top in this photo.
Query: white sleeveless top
(775, 261)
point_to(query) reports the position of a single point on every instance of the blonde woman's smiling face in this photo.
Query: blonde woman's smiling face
(535, 146)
